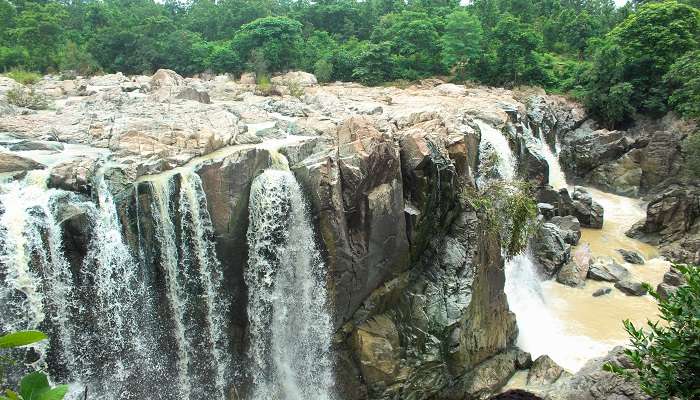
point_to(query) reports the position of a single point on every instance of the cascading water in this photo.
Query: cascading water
(290, 327)
(557, 179)
(494, 153)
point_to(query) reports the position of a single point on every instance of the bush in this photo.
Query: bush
(666, 358)
(295, 89)
(265, 88)
(23, 77)
(27, 98)
(509, 210)
(323, 69)
(77, 59)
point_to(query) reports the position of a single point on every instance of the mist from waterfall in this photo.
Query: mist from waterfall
(290, 327)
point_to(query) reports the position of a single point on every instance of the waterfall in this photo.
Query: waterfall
(557, 179)
(494, 154)
(36, 282)
(290, 328)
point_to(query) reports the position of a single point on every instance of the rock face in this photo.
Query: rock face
(415, 278)
(550, 249)
(673, 222)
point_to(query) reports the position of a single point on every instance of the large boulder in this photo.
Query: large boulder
(544, 371)
(586, 210)
(573, 273)
(587, 148)
(166, 78)
(300, 78)
(607, 269)
(570, 227)
(550, 249)
(74, 175)
(631, 288)
(622, 176)
(11, 162)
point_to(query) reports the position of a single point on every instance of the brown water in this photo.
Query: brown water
(569, 324)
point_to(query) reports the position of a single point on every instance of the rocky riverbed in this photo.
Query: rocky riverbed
(410, 282)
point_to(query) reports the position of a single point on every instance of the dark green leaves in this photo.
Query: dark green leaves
(35, 386)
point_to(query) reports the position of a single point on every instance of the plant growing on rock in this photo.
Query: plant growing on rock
(509, 210)
(34, 386)
(27, 98)
(666, 357)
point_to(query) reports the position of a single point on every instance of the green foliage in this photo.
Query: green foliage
(34, 386)
(461, 42)
(23, 77)
(77, 59)
(684, 79)
(509, 210)
(666, 357)
(375, 64)
(27, 98)
(277, 40)
(323, 69)
(264, 87)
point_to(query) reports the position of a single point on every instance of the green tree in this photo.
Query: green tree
(278, 39)
(515, 61)
(39, 29)
(375, 64)
(683, 78)
(666, 357)
(461, 42)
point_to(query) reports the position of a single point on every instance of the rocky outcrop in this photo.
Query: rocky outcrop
(550, 249)
(673, 222)
(580, 205)
(607, 269)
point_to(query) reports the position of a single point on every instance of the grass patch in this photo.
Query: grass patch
(23, 77)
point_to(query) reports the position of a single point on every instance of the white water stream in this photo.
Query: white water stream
(290, 328)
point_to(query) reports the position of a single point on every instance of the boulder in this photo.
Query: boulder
(546, 211)
(573, 274)
(73, 175)
(607, 269)
(166, 78)
(673, 279)
(602, 292)
(631, 288)
(300, 78)
(588, 212)
(631, 256)
(10, 162)
(194, 94)
(29, 145)
(570, 227)
(587, 148)
(550, 249)
(622, 176)
(543, 371)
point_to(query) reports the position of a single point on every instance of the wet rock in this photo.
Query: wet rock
(622, 176)
(607, 269)
(10, 162)
(485, 379)
(516, 394)
(631, 288)
(588, 212)
(570, 227)
(74, 175)
(543, 371)
(673, 279)
(593, 383)
(546, 210)
(631, 256)
(587, 148)
(550, 249)
(573, 274)
(602, 292)
(28, 145)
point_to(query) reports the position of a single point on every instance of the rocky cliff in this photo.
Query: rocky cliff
(415, 279)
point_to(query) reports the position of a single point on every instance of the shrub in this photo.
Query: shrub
(295, 89)
(27, 98)
(23, 77)
(323, 69)
(265, 88)
(509, 210)
(666, 357)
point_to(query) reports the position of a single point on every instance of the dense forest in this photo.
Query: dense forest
(642, 57)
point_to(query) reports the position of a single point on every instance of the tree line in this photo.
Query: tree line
(642, 57)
